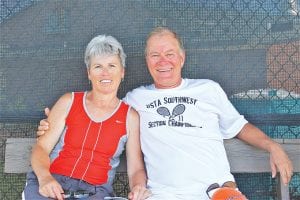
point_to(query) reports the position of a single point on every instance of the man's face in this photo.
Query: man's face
(165, 60)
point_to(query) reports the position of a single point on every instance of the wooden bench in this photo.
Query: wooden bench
(243, 158)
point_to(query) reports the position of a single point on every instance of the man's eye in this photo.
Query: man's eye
(170, 55)
(112, 66)
(154, 55)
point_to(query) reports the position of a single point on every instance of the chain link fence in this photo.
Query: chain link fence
(251, 47)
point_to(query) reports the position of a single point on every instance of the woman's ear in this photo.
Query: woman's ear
(88, 72)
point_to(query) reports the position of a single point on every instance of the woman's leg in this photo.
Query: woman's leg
(99, 191)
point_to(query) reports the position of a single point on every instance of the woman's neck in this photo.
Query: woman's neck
(103, 100)
(101, 106)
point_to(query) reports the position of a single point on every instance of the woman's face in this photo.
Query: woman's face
(106, 73)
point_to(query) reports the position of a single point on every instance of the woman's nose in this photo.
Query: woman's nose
(105, 70)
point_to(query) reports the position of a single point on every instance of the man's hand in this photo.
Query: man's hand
(280, 161)
(44, 124)
(50, 188)
(139, 192)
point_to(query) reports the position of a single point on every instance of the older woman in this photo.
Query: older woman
(95, 126)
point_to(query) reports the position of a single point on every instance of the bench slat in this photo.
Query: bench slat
(17, 155)
(246, 158)
(18, 151)
(242, 157)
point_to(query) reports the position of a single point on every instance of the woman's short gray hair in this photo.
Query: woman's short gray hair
(103, 45)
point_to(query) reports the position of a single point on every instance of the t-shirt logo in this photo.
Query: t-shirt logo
(174, 119)
(177, 110)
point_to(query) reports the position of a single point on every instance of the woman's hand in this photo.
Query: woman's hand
(139, 192)
(49, 187)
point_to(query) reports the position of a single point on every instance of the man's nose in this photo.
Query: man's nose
(162, 58)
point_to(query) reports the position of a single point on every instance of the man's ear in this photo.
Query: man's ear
(182, 58)
(123, 73)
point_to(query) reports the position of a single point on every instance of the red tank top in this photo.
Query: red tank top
(89, 146)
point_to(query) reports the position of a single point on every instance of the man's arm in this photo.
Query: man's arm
(279, 160)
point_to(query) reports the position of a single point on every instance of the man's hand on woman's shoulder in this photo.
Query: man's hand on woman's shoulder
(44, 124)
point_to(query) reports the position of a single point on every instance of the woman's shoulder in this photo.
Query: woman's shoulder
(67, 96)
(66, 99)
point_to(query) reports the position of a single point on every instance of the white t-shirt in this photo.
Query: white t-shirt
(182, 132)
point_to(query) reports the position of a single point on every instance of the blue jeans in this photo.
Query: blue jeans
(31, 190)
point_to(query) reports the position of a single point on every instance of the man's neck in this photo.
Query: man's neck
(159, 86)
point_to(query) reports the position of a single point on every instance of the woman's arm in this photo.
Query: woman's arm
(135, 163)
(40, 159)
(278, 158)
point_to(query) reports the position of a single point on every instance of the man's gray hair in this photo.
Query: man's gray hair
(103, 45)
(160, 30)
